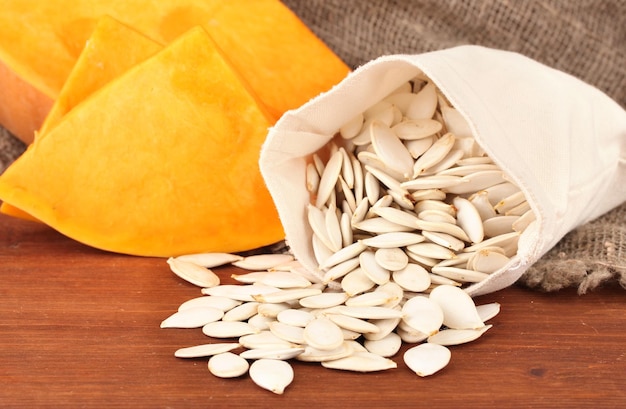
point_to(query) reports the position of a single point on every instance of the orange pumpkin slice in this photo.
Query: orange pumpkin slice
(161, 161)
(40, 41)
(271, 36)
(112, 49)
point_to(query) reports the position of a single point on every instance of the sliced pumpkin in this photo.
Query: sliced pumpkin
(271, 36)
(40, 41)
(112, 49)
(159, 162)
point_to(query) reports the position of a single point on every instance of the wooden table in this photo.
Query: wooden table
(80, 328)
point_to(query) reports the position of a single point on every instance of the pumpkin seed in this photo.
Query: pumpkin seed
(361, 362)
(260, 322)
(198, 351)
(351, 128)
(416, 129)
(289, 333)
(228, 365)
(329, 178)
(353, 324)
(424, 104)
(295, 317)
(469, 219)
(370, 299)
(390, 149)
(385, 327)
(221, 303)
(323, 334)
(324, 300)
(423, 315)
(459, 310)
(413, 277)
(242, 312)
(210, 260)
(271, 374)
(192, 317)
(286, 295)
(385, 347)
(278, 279)
(488, 311)
(193, 273)
(438, 150)
(369, 312)
(311, 354)
(239, 292)
(449, 337)
(282, 354)
(271, 310)
(356, 282)
(264, 339)
(263, 261)
(393, 240)
(426, 359)
(228, 329)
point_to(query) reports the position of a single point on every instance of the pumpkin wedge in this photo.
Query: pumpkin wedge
(161, 161)
(112, 49)
(40, 41)
(297, 64)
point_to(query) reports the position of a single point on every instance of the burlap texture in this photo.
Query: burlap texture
(586, 38)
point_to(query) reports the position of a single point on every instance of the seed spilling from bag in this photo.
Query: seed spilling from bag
(406, 211)
(360, 333)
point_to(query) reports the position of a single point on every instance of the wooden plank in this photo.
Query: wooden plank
(80, 327)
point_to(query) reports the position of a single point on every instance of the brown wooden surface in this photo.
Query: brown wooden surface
(80, 328)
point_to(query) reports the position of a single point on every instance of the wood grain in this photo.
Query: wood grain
(80, 328)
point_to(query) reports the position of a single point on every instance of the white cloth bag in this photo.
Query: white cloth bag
(562, 141)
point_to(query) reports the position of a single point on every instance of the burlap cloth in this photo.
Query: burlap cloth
(586, 38)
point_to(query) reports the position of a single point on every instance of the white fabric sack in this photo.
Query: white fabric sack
(562, 141)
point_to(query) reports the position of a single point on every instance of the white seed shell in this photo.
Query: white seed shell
(193, 273)
(488, 311)
(385, 347)
(272, 353)
(271, 374)
(198, 351)
(221, 303)
(449, 337)
(263, 261)
(210, 260)
(426, 359)
(192, 317)
(228, 365)
(321, 333)
(423, 315)
(459, 310)
(228, 329)
(361, 362)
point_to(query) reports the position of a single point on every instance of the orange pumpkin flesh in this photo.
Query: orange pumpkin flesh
(112, 49)
(270, 35)
(290, 65)
(40, 41)
(22, 107)
(161, 161)
(98, 64)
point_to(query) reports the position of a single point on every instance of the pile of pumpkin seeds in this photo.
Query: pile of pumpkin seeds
(405, 212)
